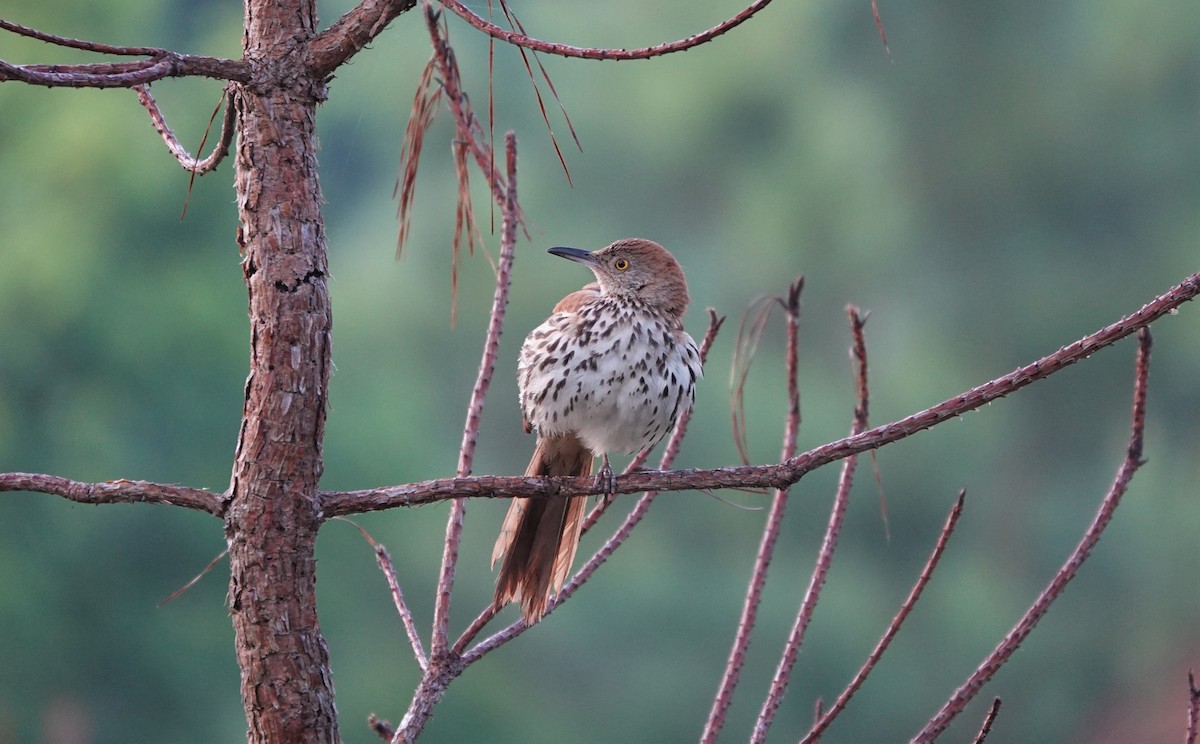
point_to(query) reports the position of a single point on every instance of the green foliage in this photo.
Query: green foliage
(1015, 176)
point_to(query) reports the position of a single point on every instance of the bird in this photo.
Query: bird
(610, 371)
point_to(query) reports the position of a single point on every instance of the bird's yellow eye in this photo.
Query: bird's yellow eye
(621, 264)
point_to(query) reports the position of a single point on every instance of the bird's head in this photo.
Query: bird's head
(636, 268)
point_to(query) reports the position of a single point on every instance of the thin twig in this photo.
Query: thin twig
(837, 515)
(385, 730)
(988, 720)
(766, 547)
(906, 607)
(87, 46)
(779, 475)
(384, 559)
(190, 163)
(565, 50)
(1013, 639)
(487, 366)
(116, 492)
(1193, 714)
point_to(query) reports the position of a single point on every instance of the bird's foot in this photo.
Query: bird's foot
(607, 481)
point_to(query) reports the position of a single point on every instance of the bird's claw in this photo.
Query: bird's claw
(606, 480)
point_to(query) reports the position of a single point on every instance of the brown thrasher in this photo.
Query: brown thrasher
(610, 370)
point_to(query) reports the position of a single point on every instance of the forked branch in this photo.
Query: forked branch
(771, 528)
(1013, 639)
(837, 516)
(159, 64)
(826, 717)
(191, 164)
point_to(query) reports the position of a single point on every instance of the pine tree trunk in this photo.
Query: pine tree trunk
(272, 521)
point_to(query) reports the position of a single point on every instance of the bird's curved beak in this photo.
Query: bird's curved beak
(574, 254)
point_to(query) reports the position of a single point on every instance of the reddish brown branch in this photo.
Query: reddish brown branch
(351, 33)
(116, 492)
(837, 515)
(766, 548)
(160, 64)
(906, 607)
(487, 366)
(1193, 716)
(1013, 639)
(565, 50)
(988, 720)
(87, 46)
(780, 475)
(190, 163)
(384, 560)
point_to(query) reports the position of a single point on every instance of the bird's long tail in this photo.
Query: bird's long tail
(538, 539)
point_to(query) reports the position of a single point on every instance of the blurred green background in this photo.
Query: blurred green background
(1014, 176)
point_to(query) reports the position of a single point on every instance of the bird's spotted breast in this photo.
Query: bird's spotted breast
(614, 373)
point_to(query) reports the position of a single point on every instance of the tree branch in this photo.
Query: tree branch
(116, 492)
(837, 515)
(565, 50)
(1013, 639)
(191, 164)
(163, 64)
(780, 475)
(1193, 716)
(351, 33)
(87, 46)
(487, 366)
(770, 534)
(826, 717)
(988, 720)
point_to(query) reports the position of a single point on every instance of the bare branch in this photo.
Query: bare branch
(766, 547)
(384, 560)
(1193, 717)
(116, 492)
(87, 46)
(385, 730)
(565, 50)
(906, 607)
(781, 475)
(161, 64)
(487, 366)
(988, 720)
(189, 163)
(791, 648)
(351, 33)
(1013, 639)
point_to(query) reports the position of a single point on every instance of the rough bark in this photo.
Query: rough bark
(273, 515)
